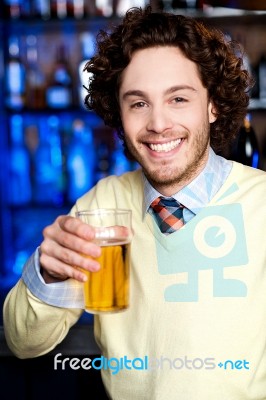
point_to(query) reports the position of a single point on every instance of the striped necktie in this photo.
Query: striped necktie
(168, 213)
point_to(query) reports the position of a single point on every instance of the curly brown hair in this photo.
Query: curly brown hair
(221, 70)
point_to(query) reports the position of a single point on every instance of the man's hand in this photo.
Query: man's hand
(60, 252)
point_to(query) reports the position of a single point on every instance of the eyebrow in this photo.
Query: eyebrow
(172, 89)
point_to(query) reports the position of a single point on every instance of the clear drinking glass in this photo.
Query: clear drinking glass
(107, 290)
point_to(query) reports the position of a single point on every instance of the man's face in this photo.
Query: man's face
(165, 114)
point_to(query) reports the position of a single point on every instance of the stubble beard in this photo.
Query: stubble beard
(164, 177)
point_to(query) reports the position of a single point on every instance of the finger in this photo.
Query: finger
(70, 225)
(69, 256)
(76, 227)
(64, 240)
(61, 271)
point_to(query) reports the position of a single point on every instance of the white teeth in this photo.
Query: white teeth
(165, 146)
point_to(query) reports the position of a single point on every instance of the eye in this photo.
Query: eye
(179, 100)
(139, 104)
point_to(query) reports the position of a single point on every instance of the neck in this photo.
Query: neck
(171, 187)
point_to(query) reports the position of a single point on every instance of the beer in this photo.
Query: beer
(107, 290)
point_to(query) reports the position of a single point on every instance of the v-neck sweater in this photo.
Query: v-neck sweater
(196, 325)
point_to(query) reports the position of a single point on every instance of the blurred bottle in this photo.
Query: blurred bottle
(20, 192)
(262, 77)
(255, 91)
(80, 161)
(35, 80)
(200, 4)
(104, 8)
(120, 7)
(76, 9)
(103, 161)
(15, 76)
(87, 41)
(41, 9)
(13, 9)
(246, 150)
(119, 162)
(59, 92)
(48, 164)
(59, 9)
(90, 8)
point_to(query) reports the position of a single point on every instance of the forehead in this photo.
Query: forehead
(160, 67)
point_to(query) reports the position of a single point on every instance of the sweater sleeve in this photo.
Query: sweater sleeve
(27, 330)
(37, 316)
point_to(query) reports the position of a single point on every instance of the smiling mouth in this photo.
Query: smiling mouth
(164, 147)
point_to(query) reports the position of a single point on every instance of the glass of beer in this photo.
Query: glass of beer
(107, 290)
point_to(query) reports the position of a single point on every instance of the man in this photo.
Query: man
(196, 325)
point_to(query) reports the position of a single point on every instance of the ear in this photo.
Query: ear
(212, 112)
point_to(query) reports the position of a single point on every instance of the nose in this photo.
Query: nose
(158, 120)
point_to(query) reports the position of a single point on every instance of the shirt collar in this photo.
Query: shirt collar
(200, 191)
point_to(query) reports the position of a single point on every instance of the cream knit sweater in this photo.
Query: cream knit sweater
(196, 326)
